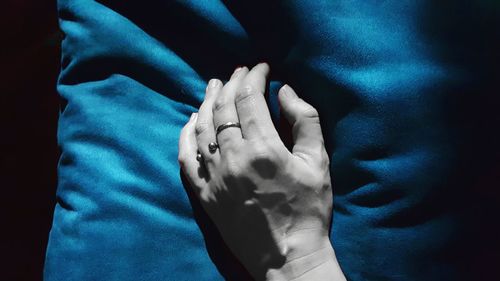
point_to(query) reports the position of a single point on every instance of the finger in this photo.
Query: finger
(257, 76)
(306, 129)
(192, 169)
(204, 128)
(224, 111)
(255, 119)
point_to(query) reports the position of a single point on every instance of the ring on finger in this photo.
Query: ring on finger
(199, 157)
(212, 147)
(224, 126)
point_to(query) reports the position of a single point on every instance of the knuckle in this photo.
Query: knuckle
(245, 94)
(264, 160)
(233, 169)
(227, 137)
(309, 112)
(320, 184)
(261, 150)
(260, 160)
(231, 149)
(276, 154)
(219, 104)
(201, 127)
(264, 152)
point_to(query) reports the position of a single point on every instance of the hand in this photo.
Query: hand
(272, 206)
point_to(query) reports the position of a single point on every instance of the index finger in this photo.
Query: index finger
(251, 105)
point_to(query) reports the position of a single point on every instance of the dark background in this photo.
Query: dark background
(29, 66)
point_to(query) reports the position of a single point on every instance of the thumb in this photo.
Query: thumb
(306, 129)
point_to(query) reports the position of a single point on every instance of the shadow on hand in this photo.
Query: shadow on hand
(226, 262)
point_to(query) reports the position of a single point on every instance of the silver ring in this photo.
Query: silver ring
(222, 127)
(212, 147)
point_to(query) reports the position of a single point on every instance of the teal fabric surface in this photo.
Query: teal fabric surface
(401, 87)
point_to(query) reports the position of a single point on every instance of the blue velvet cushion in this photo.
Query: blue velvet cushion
(391, 80)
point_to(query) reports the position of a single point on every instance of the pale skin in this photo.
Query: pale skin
(271, 206)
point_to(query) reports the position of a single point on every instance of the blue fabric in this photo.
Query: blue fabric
(397, 85)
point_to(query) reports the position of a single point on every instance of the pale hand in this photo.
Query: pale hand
(272, 206)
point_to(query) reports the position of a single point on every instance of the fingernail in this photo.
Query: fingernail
(288, 92)
(213, 83)
(239, 68)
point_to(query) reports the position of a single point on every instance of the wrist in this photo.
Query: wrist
(309, 256)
